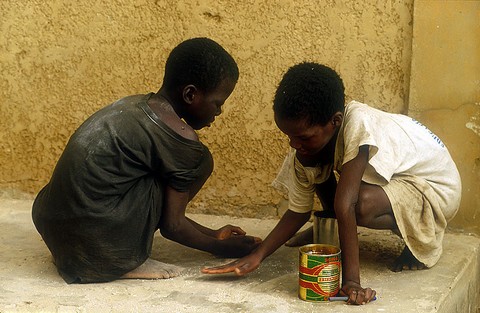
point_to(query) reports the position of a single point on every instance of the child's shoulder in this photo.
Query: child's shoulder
(356, 106)
(355, 111)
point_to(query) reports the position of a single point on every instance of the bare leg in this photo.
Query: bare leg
(375, 211)
(153, 269)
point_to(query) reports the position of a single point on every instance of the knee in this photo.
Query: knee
(363, 209)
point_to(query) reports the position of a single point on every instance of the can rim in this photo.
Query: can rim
(307, 248)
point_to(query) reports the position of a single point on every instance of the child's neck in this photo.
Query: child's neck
(165, 101)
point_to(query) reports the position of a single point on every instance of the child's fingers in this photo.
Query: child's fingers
(370, 294)
(244, 269)
(219, 269)
(238, 231)
(228, 231)
(226, 268)
(361, 296)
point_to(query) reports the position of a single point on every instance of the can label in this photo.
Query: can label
(319, 272)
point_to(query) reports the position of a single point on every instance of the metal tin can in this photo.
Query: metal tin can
(325, 228)
(319, 272)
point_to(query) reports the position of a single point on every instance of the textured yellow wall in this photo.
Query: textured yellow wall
(62, 60)
(445, 89)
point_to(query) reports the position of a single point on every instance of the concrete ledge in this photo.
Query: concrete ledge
(29, 281)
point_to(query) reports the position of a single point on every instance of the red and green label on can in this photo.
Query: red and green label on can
(319, 272)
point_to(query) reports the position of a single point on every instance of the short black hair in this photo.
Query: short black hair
(201, 62)
(309, 91)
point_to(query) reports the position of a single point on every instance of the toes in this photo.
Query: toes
(173, 271)
(397, 267)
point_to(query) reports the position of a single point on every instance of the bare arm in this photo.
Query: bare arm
(175, 226)
(203, 229)
(222, 233)
(346, 198)
(288, 225)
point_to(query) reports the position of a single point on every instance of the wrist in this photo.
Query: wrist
(350, 283)
(260, 253)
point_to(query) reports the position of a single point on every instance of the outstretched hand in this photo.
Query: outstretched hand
(240, 267)
(356, 294)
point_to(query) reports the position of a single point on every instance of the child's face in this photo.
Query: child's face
(205, 106)
(307, 139)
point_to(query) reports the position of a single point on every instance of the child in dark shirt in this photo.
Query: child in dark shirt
(132, 168)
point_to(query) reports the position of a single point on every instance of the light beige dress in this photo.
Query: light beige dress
(406, 159)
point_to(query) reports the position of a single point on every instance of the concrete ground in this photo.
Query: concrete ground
(29, 281)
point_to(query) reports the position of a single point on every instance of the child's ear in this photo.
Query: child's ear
(189, 92)
(337, 119)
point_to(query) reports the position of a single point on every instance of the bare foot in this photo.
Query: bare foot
(302, 238)
(153, 269)
(406, 261)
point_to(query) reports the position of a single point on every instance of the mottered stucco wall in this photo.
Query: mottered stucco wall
(445, 90)
(63, 60)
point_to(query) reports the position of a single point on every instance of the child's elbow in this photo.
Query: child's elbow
(170, 231)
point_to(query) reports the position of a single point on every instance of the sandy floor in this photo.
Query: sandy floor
(29, 281)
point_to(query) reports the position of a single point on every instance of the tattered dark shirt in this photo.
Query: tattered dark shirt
(99, 212)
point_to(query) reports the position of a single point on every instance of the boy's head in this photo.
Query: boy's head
(200, 62)
(310, 92)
